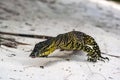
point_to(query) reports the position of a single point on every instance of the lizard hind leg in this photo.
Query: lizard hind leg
(103, 58)
(92, 56)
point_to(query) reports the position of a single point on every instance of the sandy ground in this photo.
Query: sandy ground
(99, 19)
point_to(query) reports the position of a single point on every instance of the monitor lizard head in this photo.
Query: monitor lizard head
(43, 49)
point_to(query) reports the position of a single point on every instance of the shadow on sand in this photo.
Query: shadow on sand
(52, 60)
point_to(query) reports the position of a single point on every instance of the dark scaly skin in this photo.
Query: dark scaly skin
(73, 40)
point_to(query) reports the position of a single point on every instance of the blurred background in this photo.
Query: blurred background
(101, 14)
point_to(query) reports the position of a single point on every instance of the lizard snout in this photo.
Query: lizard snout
(32, 55)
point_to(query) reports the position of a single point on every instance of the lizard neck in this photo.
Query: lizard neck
(51, 44)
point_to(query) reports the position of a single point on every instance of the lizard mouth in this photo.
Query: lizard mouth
(32, 55)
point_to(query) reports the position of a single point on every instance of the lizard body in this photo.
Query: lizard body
(73, 40)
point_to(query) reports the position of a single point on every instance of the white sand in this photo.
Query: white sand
(99, 19)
